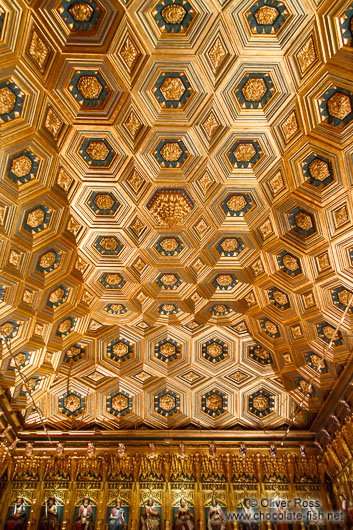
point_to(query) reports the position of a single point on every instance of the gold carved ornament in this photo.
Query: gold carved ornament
(168, 307)
(35, 218)
(344, 297)
(217, 54)
(137, 226)
(236, 203)
(71, 352)
(56, 295)
(47, 259)
(65, 325)
(52, 122)
(262, 353)
(116, 307)
(172, 88)
(170, 209)
(104, 201)
(38, 50)
(319, 169)
(171, 151)
(120, 349)
(307, 55)
(81, 12)
(271, 327)
(244, 152)
(133, 125)
(280, 297)
(305, 386)
(173, 14)
(214, 402)
(7, 100)
(72, 403)
(120, 402)
(290, 126)
(261, 402)
(89, 86)
(276, 183)
(135, 181)
(169, 244)
(109, 243)
(329, 332)
(129, 53)
(254, 89)
(169, 279)
(290, 262)
(214, 350)
(19, 359)
(339, 105)
(229, 244)
(21, 166)
(64, 180)
(210, 124)
(224, 280)
(316, 360)
(6, 329)
(167, 402)
(266, 15)
(220, 308)
(303, 220)
(97, 150)
(167, 349)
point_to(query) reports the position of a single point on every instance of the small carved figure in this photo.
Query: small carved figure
(181, 449)
(216, 519)
(242, 449)
(17, 519)
(59, 449)
(121, 449)
(49, 521)
(117, 517)
(273, 450)
(184, 518)
(90, 449)
(250, 523)
(212, 449)
(150, 517)
(84, 519)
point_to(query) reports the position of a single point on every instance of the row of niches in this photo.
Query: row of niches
(168, 485)
(208, 508)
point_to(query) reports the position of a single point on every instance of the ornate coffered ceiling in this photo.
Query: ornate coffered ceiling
(175, 210)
